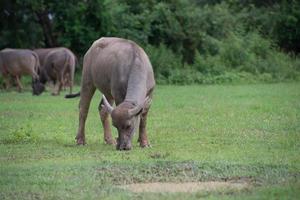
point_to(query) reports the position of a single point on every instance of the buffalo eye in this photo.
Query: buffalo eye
(126, 127)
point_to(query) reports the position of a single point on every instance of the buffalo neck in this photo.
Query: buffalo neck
(136, 88)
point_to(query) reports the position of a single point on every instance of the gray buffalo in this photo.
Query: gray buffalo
(57, 65)
(121, 70)
(17, 62)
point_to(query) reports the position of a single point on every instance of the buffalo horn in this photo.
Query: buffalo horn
(107, 105)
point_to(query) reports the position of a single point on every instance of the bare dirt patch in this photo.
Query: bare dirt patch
(189, 187)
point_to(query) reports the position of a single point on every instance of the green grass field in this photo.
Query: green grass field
(197, 133)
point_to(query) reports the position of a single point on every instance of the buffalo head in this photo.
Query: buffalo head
(125, 117)
(37, 87)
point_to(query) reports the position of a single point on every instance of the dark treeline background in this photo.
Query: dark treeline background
(188, 41)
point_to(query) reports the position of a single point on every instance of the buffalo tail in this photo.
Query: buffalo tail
(68, 96)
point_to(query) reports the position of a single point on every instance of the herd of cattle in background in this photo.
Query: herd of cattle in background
(117, 67)
(44, 65)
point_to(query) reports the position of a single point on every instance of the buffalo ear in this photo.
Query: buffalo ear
(135, 111)
(139, 108)
(147, 102)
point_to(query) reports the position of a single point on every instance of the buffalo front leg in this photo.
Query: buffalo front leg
(6, 81)
(143, 139)
(104, 116)
(86, 95)
(20, 87)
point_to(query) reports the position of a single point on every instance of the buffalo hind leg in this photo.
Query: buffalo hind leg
(104, 116)
(143, 139)
(70, 82)
(84, 104)
(60, 84)
(54, 90)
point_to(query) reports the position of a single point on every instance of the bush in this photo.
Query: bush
(164, 62)
(188, 41)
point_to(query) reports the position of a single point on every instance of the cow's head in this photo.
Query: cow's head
(125, 118)
(37, 87)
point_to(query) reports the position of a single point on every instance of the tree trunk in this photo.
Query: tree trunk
(43, 19)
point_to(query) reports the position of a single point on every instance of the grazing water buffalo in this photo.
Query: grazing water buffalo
(121, 70)
(18, 62)
(57, 65)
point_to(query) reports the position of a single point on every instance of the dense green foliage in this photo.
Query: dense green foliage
(248, 132)
(188, 41)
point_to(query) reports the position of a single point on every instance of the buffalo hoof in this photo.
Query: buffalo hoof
(110, 141)
(54, 94)
(145, 144)
(80, 141)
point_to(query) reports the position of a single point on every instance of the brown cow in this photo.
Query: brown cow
(57, 65)
(121, 70)
(18, 62)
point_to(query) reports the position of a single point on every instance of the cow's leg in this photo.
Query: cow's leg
(143, 140)
(86, 95)
(20, 87)
(104, 116)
